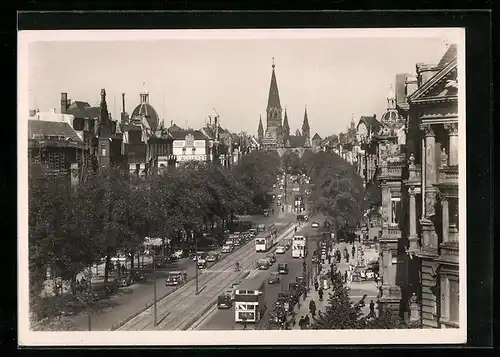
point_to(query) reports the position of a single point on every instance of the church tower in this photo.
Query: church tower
(274, 131)
(306, 130)
(286, 130)
(104, 134)
(260, 131)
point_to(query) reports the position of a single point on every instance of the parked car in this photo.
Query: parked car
(274, 278)
(175, 278)
(227, 248)
(213, 257)
(315, 224)
(125, 281)
(280, 249)
(283, 268)
(235, 285)
(138, 275)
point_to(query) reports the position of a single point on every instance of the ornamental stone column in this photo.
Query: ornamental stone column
(445, 219)
(413, 238)
(452, 130)
(430, 170)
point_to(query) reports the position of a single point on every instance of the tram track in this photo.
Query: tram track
(176, 309)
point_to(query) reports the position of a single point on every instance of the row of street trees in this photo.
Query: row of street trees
(70, 228)
(337, 190)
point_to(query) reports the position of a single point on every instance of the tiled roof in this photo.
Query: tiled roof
(181, 135)
(175, 127)
(297, 141)
(449, 56)
(51, 128)
(147, 110)
(370, 122)
(83, 110)
(316, 137)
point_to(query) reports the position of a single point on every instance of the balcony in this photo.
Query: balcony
(391, 169)
(391, 232)
(448, 174)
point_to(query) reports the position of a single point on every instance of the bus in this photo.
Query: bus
(264, 242)
(249, 301)
(299, 247)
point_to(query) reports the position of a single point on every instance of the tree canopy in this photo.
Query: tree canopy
(337, 189)
(109, 212)
(341, 313)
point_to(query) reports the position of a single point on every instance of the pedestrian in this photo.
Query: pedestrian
(295, 229)
(302, 323)
(320, 294)
(345, 276)
(347, 257)
(307, 321)
(372, 309)
(312, 308)
(353, 250)
(316, 285)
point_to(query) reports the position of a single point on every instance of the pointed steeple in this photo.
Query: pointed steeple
(260, 130)
(273, 99)
(305, 124)
(286, 126)
(297, 133)
(104, 122)
(286, 129)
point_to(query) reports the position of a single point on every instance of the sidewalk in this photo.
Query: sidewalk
(304, 306)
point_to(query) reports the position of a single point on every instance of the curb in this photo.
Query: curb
(149, 305)
(199, 315)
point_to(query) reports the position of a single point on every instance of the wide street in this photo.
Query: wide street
(223, 319)
(136, 297)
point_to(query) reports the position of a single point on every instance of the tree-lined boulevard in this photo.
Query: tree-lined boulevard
(107, 214)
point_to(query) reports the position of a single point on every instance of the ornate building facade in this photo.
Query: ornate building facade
(433, 192)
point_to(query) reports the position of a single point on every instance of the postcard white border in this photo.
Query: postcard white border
(193, 338)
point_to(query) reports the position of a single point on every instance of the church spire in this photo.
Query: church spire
(104, 122)
(260, 130)
(305, 124)
(273, 100)
(286, 126)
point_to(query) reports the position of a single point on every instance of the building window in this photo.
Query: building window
(453, 209)
(454, 309)
(395, 210)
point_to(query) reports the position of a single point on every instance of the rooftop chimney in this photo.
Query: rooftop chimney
(64, 102)
(425, 71)
(123, 103)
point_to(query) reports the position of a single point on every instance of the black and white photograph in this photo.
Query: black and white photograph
(227, 187)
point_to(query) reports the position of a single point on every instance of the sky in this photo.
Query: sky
(335, 77)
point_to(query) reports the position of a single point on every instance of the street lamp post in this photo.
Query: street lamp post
(154, 292)
(196, 255)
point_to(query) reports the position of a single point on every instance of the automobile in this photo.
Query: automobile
(138, 275)
(274, 185)
(306, 217)
(278, 203)
(198, 255)
(227, 248)
(175, 278)
(202, 263)
(315, 224)
(287, 244)
(283, 268)
(252, 232)
(125, 281)
(231, 292)
(295, 189)
(213, 257)
(224, 301)
(235, 285)
(271, 257)
(280, 249)
(172, 259)
(280, 196)
(237, 242)
(274, 278)
(263, 264)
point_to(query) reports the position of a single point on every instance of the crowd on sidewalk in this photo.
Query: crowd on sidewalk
(316, 301)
